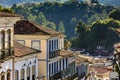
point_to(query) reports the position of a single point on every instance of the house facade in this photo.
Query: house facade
(32, 52)
(25, 62)
(49, 42)
(7, 22)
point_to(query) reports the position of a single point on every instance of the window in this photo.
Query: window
(52, 45)
(9, 38)
(21, 42)
(52, 68)
(22, 74)
(49, 69)
(63, 64)
(33, 72)
(57, 43)
(3, 40)
(16, 75)
(28, 73)
(8, 76)
(3, 77)
(49, 46)
(57, 66)
(60, 65)
(66, 62)
(35, 44)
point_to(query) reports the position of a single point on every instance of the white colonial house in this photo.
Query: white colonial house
(7, 22)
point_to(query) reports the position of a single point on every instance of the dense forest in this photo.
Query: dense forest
(85, 25)
(63, 17)
(11, 2)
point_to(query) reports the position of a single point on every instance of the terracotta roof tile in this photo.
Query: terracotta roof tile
(65, 53)
(3, 14)
(21, 50)
(78, 59)
(101, 70)
(117, 30)
(27, 27)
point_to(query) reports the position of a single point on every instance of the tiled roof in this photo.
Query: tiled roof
(3, 14)
(78, 59)
(117, 30)
(27, 27)
(101, 70)
(21, 50)
(65, 53)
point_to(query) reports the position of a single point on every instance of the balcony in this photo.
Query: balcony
(2, 56)
(56, 76)
(6, 53)
(54, 54)
(11, 52)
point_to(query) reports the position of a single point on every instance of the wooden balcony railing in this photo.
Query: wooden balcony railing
(54, 54)
(6, 53)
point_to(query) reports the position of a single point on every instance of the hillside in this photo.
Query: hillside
(110, 2)
(67, 15)
(11, 2)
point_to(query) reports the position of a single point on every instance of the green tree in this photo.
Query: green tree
(115, 14)
(8, 10)
(103, 31)
(31, 17)
(67, 44)
(94, 1)
(0, 7)
(81, 31)
(73, 20)
(61, 27)
(51, 25)
(41, 19)
(73, 1)
(81, 28)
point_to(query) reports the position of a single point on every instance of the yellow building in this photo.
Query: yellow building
(49, 42)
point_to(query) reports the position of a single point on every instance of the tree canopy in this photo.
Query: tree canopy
(102, 31)
(115, 14)
(69, 13)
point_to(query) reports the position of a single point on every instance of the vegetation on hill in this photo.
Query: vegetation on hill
(115, 14)
(11, 2)
(95, 23)
(9, 10)
(66, 15)
(101, 32)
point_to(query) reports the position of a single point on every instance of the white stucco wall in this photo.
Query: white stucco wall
(7, 65)
(24, 63)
